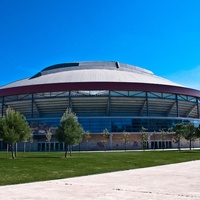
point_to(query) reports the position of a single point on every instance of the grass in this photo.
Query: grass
(40, 166)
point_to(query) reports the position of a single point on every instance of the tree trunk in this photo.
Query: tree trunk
(24, 147)
(190, 144)
(66, 149)
(30, 147)
(163, 145)
(7, 148)
(70, 150)
(13, 152)
(179, 145)
(16, 149)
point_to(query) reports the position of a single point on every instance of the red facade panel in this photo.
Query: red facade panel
(98, 86)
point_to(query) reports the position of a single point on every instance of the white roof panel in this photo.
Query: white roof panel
(93, 72)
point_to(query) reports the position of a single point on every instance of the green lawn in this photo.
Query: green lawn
(39, 166)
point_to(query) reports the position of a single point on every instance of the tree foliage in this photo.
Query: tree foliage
(1, 128)
(178, 134)
(14, 128)
(189, 133)
(198, 131)
(69, 131)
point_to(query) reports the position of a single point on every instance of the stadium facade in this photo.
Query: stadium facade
(111, 95)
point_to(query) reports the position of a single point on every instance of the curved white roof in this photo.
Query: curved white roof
(92, 72)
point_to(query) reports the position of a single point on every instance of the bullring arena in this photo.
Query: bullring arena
(104, 95)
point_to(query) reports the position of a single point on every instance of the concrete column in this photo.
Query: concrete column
(58, 146)
(54, 146)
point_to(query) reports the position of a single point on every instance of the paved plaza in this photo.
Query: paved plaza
(170, 182)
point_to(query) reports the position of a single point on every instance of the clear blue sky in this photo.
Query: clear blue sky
(160, 35)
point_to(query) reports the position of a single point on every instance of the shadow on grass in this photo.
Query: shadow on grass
(46, 157)
(29, 157)
(188, 152)
(6, 158)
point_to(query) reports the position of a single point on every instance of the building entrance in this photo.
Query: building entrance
(53, 146)
(167, 144)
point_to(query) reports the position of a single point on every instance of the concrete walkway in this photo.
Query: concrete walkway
(169, 182)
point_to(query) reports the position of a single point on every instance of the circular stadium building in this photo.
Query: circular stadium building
(104, 95)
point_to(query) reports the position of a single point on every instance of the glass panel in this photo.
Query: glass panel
(119, 93)
(137, 94)
(169, 96)
(97, 125)
(155, 94)
(10, 98)
(42, 95)
(90, 93)
(26, 96)
(193, 99)
(59, 94)
(182, 97)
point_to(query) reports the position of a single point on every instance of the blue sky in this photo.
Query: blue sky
(159, 35)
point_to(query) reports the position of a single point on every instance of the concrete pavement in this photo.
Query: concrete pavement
(170, 182)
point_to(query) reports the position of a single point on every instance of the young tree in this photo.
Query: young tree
(106, 137)
(69, 131)
(144, 138)
(125, 138)
(14, 128)
(197, 130)
(87, 136)
(30, 140)
(1, 128)
(178, 134)
(163, 134)
(189, 133)
(24, 145)
(48, 137)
